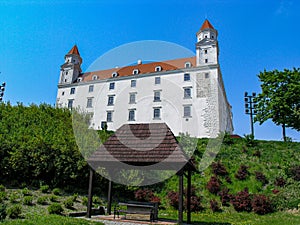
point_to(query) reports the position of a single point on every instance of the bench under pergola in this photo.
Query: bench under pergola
(143, 145)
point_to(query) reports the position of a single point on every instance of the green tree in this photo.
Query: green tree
(280, 98)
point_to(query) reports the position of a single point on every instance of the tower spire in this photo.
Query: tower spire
(206, 25)
(74, 50)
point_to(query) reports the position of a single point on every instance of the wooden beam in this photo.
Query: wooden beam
(109, 197)
(90, 197)
(180, 198)
(188, 196)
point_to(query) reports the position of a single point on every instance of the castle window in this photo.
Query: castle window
(187, 111)
(187, 65)
(158, 68)
(66, 72)
(135, 72)
(79, 79)
(111, 86)
(157, 96)
(70, 103)
(95, 77)
(109, 115)
(72, 91)
(89, 103)
(187, 92)
(212, 37)
(132, 97)
(115, 74)
(133, 83)
(156, 113)
(63, 93)
(131, 115)
(205, 51)
(157, 80)
(91, 88)
(206, 60)
(206, 75)
(187, 77)
(205, 36)
(110, 100)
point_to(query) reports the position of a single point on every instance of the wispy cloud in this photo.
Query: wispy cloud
(284, 8)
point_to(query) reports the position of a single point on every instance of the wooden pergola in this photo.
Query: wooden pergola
(143, 145)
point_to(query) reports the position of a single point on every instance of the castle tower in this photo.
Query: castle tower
(71, 69)
(207, 51)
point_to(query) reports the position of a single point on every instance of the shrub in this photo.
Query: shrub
(2, 196)
(195, 204)
(14, 211)
(250, 141)
(68, 203)
(173, 197)
(27, 200)
(227, 140)
(13, 197)
(44, 188)
(213, 185)
(84, 201)
(257, 153)
(228, 180)
(42, 200)
(214, 206)
(242, 173)
(26, 192)
(75, 196)
(55, 208)
(143, 195)
(261, 177)
(97, 200)
(53, 198)
(261, 204)
(242, 201)
(56, 191)
(225, 196)
(295, 172)
(2, 188)
(2, 212)
(219, 169)
(280, 182)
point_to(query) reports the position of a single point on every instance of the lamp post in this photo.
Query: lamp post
(250, 105)
(2, 89)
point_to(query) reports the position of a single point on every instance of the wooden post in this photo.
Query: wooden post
(188, 196)
(90, 197)
(109, 197)
(180, 198)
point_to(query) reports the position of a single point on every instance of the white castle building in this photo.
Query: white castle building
(187, 94)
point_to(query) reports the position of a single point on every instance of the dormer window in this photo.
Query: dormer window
(187, 65)
(79, 79)
(135, 72)
(95, 77)
(158, 68)
(212, 37)
(115, 74)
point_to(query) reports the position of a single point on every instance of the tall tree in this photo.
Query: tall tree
(280, 98)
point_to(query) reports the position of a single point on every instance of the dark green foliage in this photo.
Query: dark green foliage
(26, 192)
(14, 211)
(56, 191)
(27, 200)
(13, 197)
(280, 182)
(261, 204)
(42, 200)
(2, 188)
(3, 212)
(55, 208)
(44, 188)
(295, 173)
(53, 198)
(2, 196)
(69, 203)
(250, 141)
(84, 201)
(227, 139)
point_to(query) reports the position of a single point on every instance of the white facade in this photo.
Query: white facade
(187, 94)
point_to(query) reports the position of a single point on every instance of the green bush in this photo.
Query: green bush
(42, 200)
(75, 196)
(55, 208)
(13, 197)
(2, 188)
(44, 188)
(53, 198)
(2, 212)
(84, 201)
(69, 203)
(14, 211)
(26, 192)
(56, 191)
(27, 200)
(2, 196)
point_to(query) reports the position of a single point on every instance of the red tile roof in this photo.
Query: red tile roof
(74, 50)
(206, 25)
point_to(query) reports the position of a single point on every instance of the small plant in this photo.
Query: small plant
(214, 206)
(2, 212)
(27, 200)
(242, 201)
(68, 203)
(26, 192)
(228, 180)
(56, 191)
(214, 185)
(44, 188)
(75, 197)
(84, 201)
(143, 195)
(97, 200)
(14, 211)
(262, 205)
(250, 141)
(55, 208)
(257, 153)
(173, 198)
(13, 197)
(261, 177)
(53, 198)
(219, 169)
(227, 140)
(295, 172)
(42, 200)
(2, 196)
(280, 182)
(242, 173)
(2, 188)
(225, 196)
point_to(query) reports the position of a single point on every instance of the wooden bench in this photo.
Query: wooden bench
(142, 208)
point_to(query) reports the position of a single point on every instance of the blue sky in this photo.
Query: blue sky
(253, 36)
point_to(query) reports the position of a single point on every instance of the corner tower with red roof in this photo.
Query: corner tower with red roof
(71, 69)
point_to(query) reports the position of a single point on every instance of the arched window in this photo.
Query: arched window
(158, 68)
(115, 74)
(187, 65)
(94, 77)
(135, 71)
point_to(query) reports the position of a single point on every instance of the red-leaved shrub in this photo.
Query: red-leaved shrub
(146, 195)
(242, 201)
(225, 196)
(261, 177)
(219, 169)
(214, 185)
(280, 182)
(242, 173)
(214, 206)
(262, 204)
